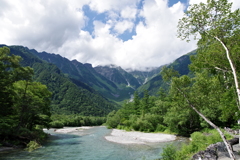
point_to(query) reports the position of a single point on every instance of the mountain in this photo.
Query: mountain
(69, 96)
(180, 65)
(116, 88)
(109, 81)
(117, 75)
(144, 76)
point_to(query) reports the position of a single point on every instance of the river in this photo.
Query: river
(89, 144)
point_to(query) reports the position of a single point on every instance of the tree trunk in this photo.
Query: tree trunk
(227, 144)
(233, 70)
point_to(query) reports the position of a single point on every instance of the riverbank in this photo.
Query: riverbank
(3, 149)
(133, 137)
(71, 129)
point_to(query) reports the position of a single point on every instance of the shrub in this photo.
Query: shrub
(32, 145)
(160, 128)
(200, 141)
(169, 153)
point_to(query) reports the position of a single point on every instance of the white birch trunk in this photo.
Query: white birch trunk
(228, 146)
(233, 70)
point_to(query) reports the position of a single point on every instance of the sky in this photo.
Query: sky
(128, 33)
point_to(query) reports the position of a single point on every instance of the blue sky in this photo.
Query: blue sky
(132, 34)
(93, 15)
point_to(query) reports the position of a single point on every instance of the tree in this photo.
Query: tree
(182, 86)
(10, 72)
(145, 103)
(24, 104)
(32, 103)
(216, 25)
(136, 103)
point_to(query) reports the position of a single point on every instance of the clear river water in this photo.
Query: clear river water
(89, 144)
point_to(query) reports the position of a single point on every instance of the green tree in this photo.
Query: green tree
(145, 103)
(198, 99)
(32, 103)
(24, 104)
(136, 103)
(113, 119)
(219, 29)
(10, 72)
(217, 26)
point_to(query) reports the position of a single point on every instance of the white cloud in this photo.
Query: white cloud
(129, 13)
(122, 26)
(106, 5)
(236, 3)
(197, 1)
(43, 25)
(154, 44)
(56, 26)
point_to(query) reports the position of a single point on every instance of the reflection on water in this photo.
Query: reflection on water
(88, 145)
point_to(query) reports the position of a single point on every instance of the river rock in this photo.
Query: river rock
(212, 152)
(208, 154)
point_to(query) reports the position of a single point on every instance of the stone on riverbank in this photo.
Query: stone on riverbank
(218, 151)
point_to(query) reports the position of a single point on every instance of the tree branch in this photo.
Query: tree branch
(227, 144)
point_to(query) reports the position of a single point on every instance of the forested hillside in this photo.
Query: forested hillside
(156, 82)
(85, 73)
(68, 96)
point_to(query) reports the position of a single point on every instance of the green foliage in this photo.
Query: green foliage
(59, 121)
(169, 153)
(56, 124)
(140, 114)
(160, 128)
(69, 95)
(24, 103)
(32, 145)
(113, 119)
(199, 141)
(32, 104)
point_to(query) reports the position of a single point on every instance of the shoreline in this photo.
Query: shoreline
(71, 129)
(135, 137)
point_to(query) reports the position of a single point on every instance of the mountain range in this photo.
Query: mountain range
(82, 88)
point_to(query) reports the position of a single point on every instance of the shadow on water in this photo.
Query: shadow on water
(88, 145)
(62, 139)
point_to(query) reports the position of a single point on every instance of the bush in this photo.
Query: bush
(169, 153)
(160, 128)
(142, 125)
(200, 141)
(32, 145)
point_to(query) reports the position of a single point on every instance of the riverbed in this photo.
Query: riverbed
(90, 144)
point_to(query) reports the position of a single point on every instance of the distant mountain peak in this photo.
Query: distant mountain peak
(109, 66)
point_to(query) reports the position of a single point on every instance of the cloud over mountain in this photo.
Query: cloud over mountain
(127, 33)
